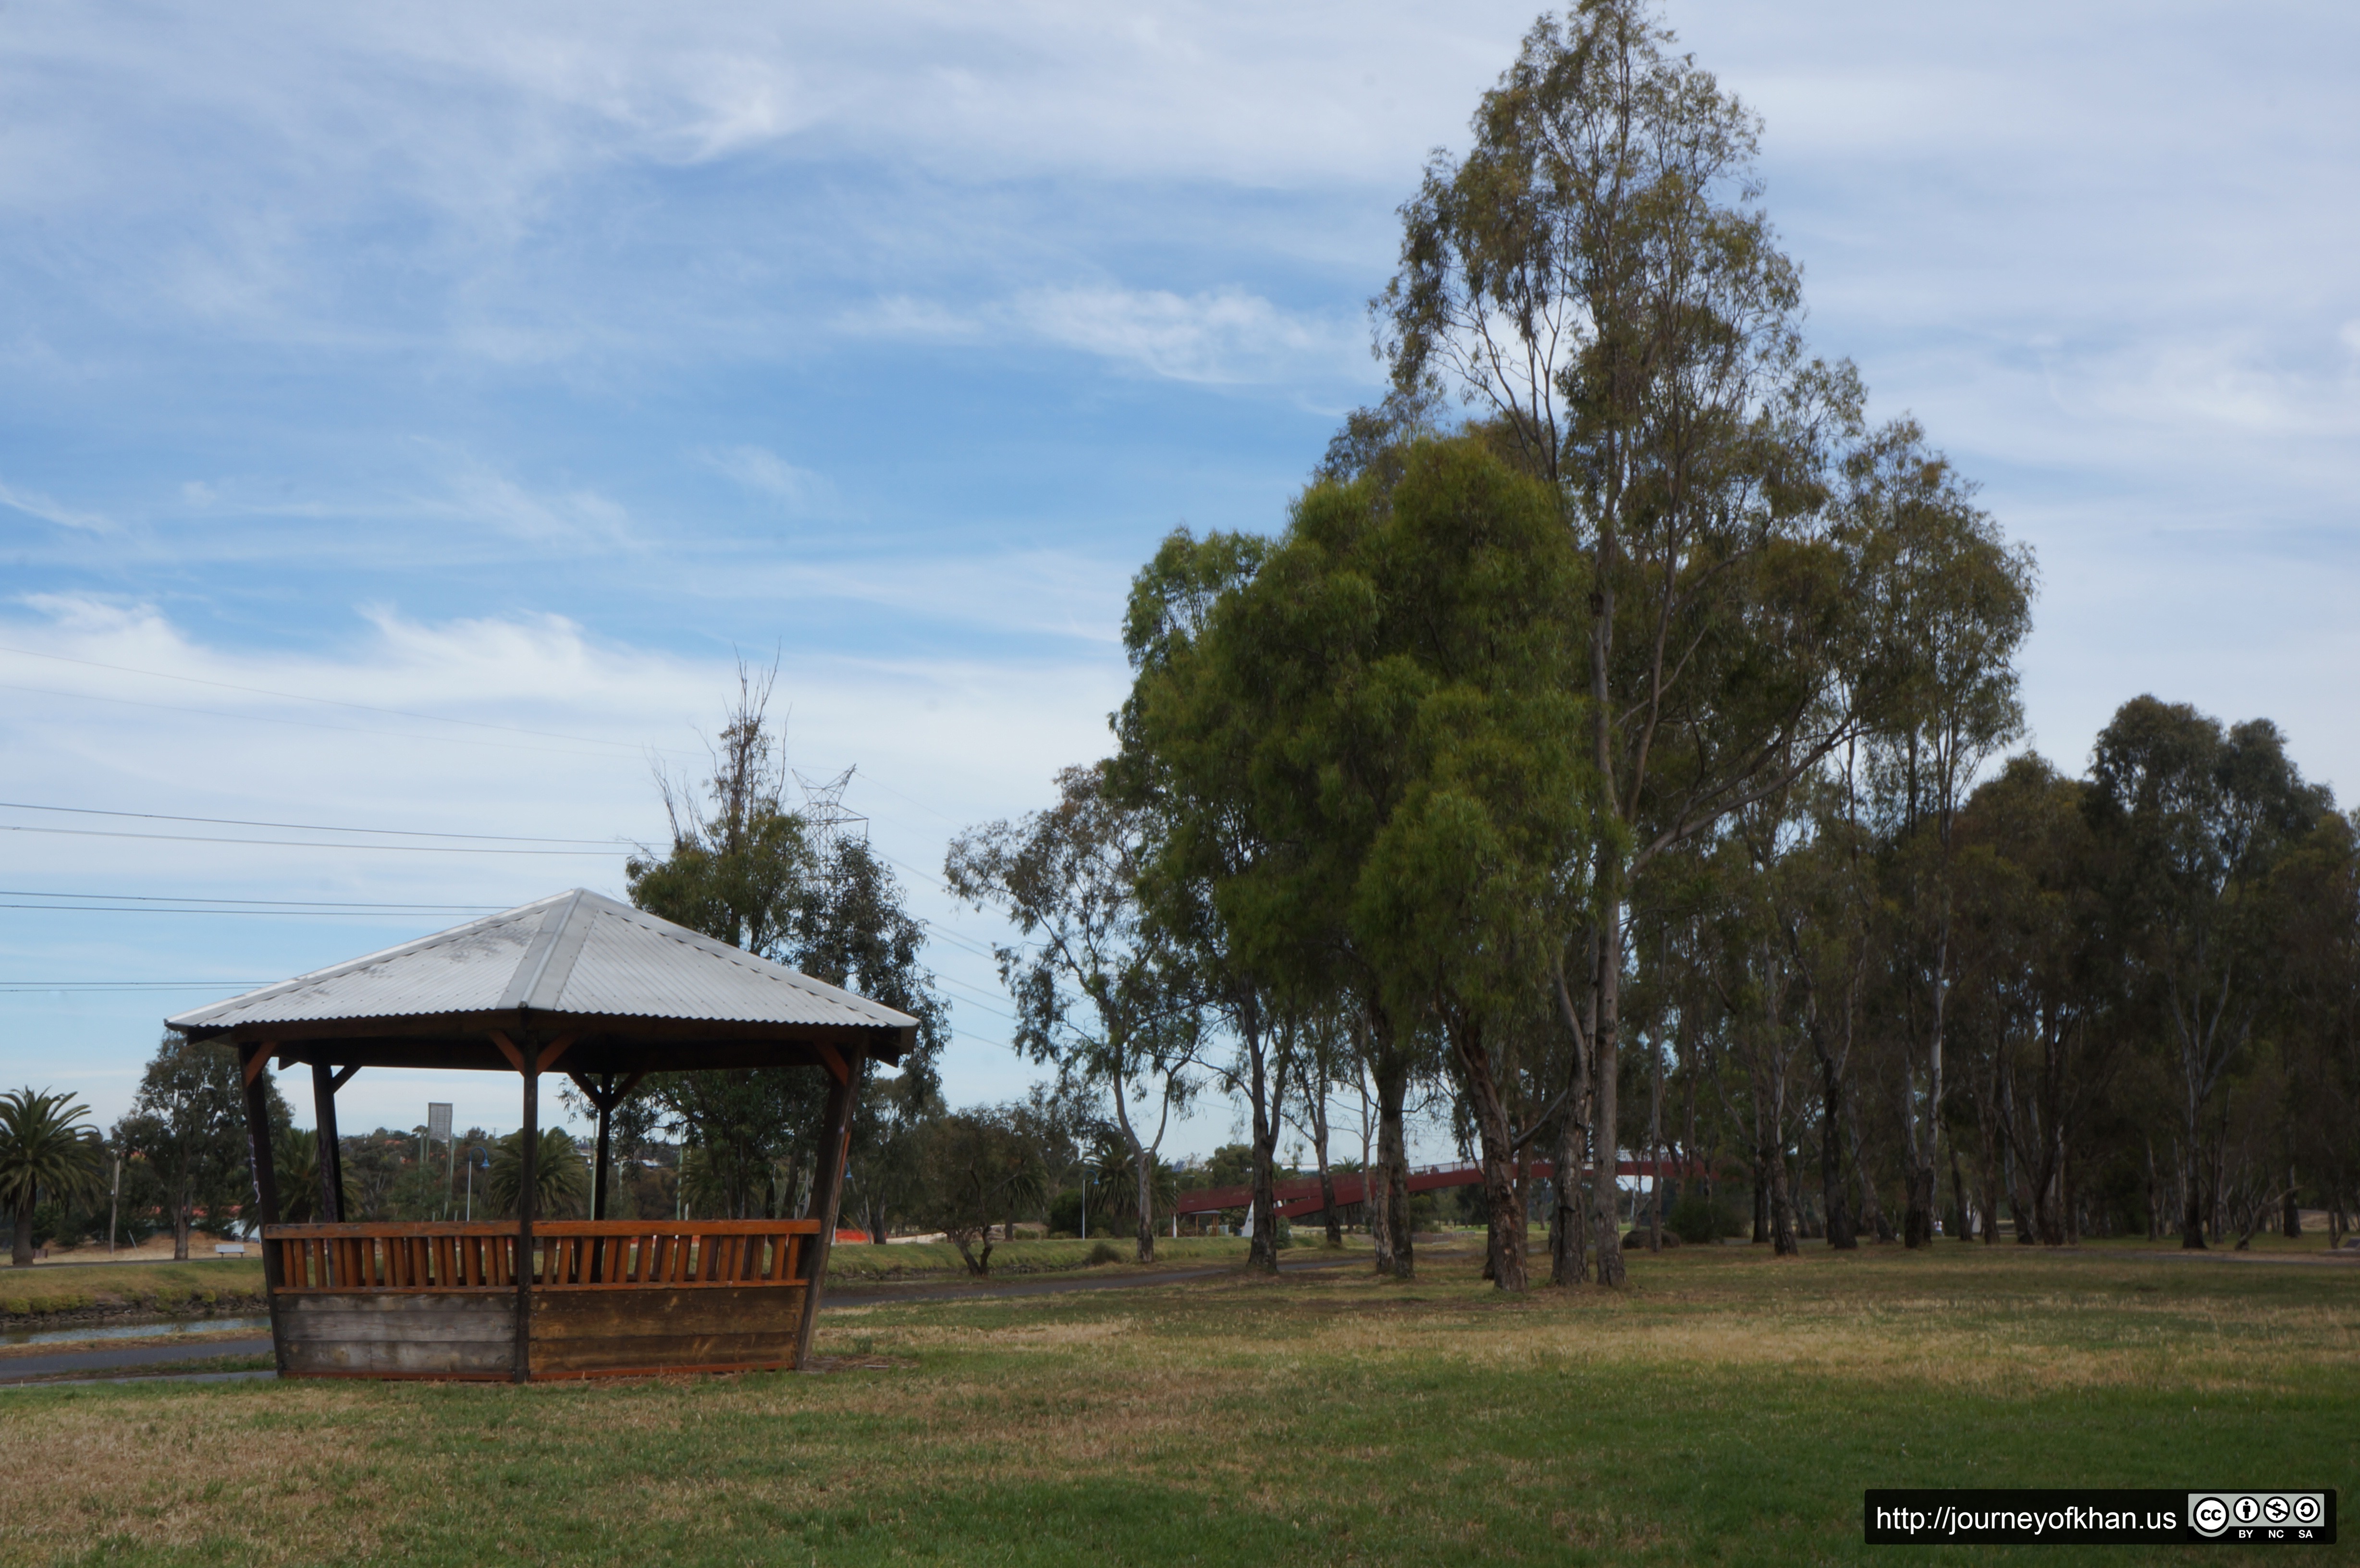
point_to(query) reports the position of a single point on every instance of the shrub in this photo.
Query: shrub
(1695, 1221)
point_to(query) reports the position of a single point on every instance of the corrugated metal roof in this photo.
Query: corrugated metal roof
(574, 952)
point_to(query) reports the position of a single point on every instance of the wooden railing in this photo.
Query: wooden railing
(567, 1254)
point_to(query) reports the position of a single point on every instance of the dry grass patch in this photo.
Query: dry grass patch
(174, 1470)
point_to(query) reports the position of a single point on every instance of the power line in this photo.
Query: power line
(283, 914)
(275, 903)
(312, 723)
(231, 986)
(301, 843)
(329, 702)
(296, 827)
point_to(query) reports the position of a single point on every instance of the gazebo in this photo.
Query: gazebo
(605, 993)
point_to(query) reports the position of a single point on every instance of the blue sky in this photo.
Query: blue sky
(407, 414)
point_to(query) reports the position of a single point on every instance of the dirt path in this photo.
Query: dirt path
(2330, 1259)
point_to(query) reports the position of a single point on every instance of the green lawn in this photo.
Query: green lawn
(1729, 1408)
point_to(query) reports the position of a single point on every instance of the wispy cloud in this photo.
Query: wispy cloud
(763, 471)
(33, 504)
(1229, 336)
(1223, 337)
(577, 515)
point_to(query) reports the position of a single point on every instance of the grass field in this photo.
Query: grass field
(1729, 1408)
(849, 1261)
(31, 1294)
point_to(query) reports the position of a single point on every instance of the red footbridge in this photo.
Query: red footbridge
(1300, 1195)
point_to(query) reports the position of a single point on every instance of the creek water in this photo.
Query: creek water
(171, 1330)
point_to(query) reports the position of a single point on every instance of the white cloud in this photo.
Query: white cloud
(1227, 336)
(761, 469)
(33, 504)
(920, 320)
(1217, 337)
(576, 516)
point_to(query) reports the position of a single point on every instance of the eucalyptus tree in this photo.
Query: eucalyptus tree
(1185, 763)
(2195, 819)
(2316, 902)
(1101, 992)
(1597, 278)
(740, 868)
(1947, 603)
(1249, 726)
(744, 868)
(1475, 879)
(186, 1135)
(1319, 1064)
(49, 1150)
(2038, 970)
(1829, 924)
(1385, 711)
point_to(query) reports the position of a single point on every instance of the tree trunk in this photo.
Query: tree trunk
(1608, 1137)
(2154, 1196)
(2291, 1218)
(1569, 1251)
(1841, 1238)
(1318, 1103)
(1959, 1196)
(1782, 1208)
(1142, 1164)
(1261, 1253)
(2192, 1203)
(1145, 1165)
(1762, 1163)
(183, 1221)
(1655, 1151)
(1395, 1252)
(1569, 1235)
(20, 1246)
(1507, 1230)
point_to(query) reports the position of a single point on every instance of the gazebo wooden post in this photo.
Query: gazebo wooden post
(530, 1138)
(331, 1154)
(834, 1151)
(605, 1100)
(253, 1060)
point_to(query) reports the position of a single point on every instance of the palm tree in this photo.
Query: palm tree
(561, 1177)
(47, 1150)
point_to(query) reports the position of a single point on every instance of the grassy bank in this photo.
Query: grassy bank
(36, 1298)
(1728, 1408)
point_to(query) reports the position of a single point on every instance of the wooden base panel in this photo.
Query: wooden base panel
(471, 1335)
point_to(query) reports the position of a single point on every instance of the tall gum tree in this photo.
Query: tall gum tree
(1099, 991)
(1597, 278)
(2194, 819)
(743, 868)
(1184, 762)
(1387, 708)
(1946, 602)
